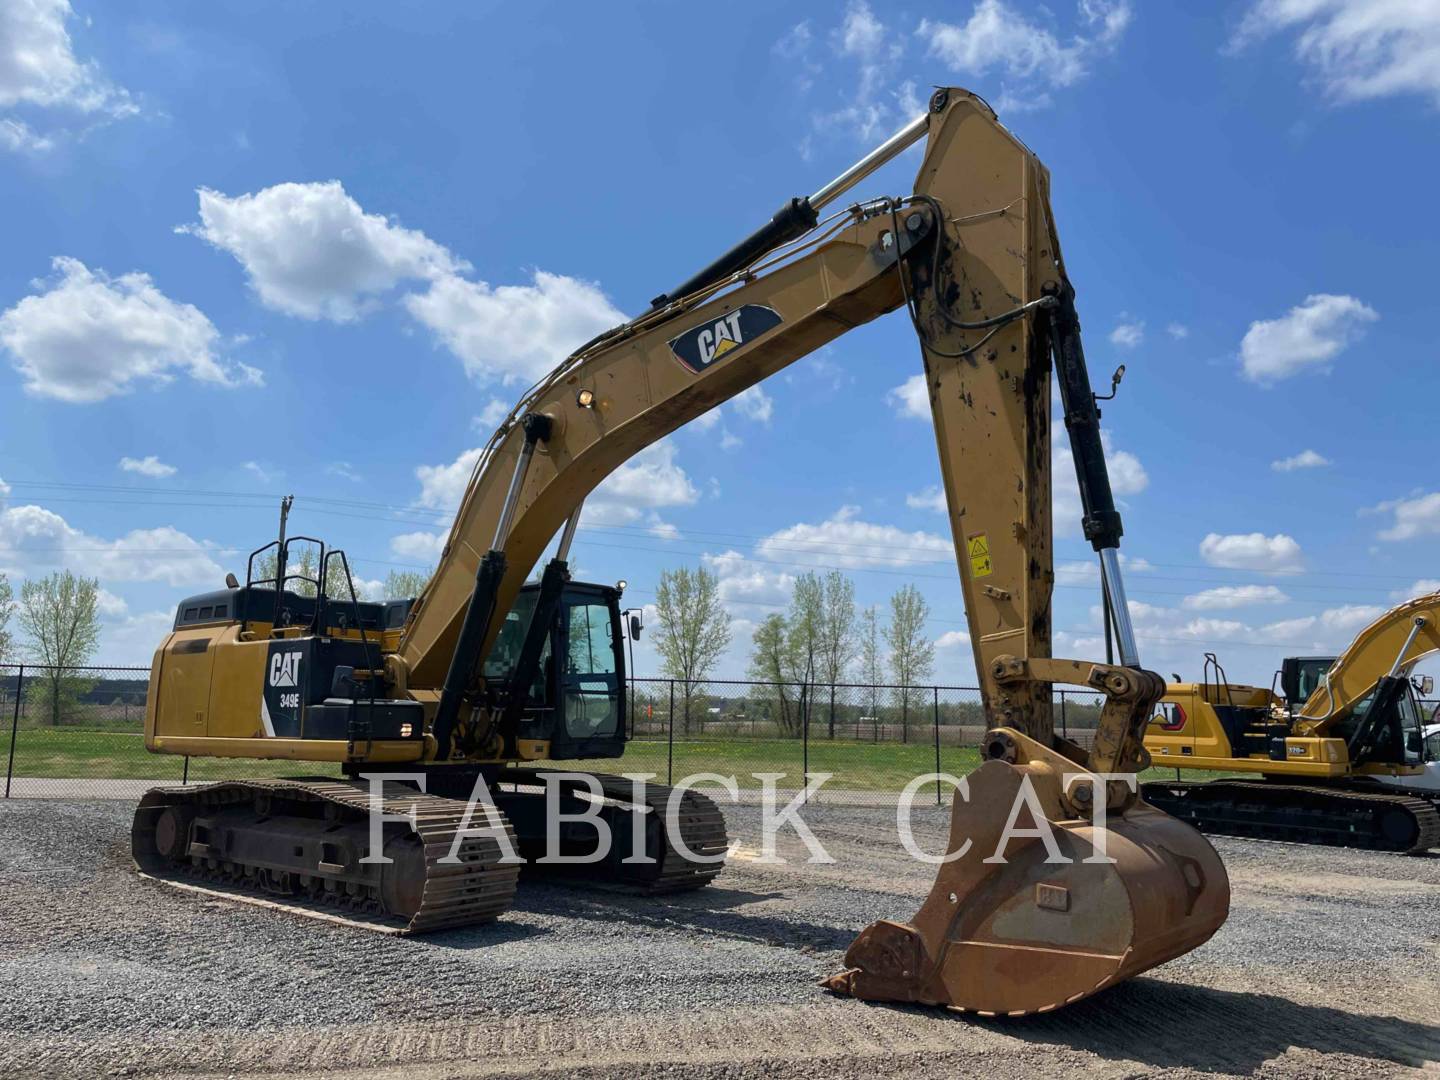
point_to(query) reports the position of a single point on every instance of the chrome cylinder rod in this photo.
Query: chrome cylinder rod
(512, 496)
(1415, 626)
(567, 534)
(887, 151)
(1119, 608)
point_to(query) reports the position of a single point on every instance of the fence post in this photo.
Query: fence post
(832, 712)
(938, 801)
(1064, 729)
(14, 728)
(185, 773)
(904, 714)
(804, 750)
(670, 740)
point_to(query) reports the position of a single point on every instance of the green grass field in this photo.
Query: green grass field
(856, 766)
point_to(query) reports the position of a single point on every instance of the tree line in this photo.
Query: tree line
(821, 639)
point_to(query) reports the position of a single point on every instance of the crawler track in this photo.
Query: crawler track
(300, 843)
(700, 829)
(1307, 815)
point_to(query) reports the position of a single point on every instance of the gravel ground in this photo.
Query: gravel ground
(1328, 966)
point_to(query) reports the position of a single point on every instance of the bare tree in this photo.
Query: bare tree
(872, 659)
(807, 613)
(837, 633)
(837, 627)
(7, 608)
(772, 663)
(59, 618)
(406, 584)
(694, 627)
(912, 654)
(302, 570)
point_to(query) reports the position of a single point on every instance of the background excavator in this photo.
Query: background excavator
(483, 673)
(1341, 758)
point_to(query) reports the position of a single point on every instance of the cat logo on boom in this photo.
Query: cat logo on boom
(711, 341)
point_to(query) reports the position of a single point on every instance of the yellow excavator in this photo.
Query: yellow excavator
(1341, 756)
(482, 674)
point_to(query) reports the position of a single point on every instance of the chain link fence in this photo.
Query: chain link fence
(80, 733)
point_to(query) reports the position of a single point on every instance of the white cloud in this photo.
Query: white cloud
(953, 639)
(1308, 337)
(443, 486)
(845, 541)
(1086, 572)
(860, 59)
(1278, 554)
(39, 69)
(38, 66)
(754, 404)
(110, 606)
(370, 588)
(149, 465)
(1415, 516)
(491, 415)
(423, 547)
(1305, 459)
(1128, 335)
(128, 638)
(1178, 331)
(1357, 49)
(20, 137)
(1225, 597)
(1331, 629)
(255, 469)
(88, 336)
(310, 250)
(911, 398)
(1030, 59)
(633, 494)
(1127, 477)
(1422, 587)
(932, 498)
(34, 540)
(650, 481)
(513, 333)
(344, 470)
(743, 581)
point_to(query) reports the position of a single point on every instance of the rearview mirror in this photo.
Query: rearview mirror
(1427, 685)
(636, 622)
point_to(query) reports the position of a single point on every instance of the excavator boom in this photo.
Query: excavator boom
(973, 256)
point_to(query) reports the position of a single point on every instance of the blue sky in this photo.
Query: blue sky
(258, 249)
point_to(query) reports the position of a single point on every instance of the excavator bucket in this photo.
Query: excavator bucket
(1009, 928)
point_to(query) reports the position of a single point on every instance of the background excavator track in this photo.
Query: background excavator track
(1375, 821)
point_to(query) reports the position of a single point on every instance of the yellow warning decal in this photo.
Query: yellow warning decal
(979, 548)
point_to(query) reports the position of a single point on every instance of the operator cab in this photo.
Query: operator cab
(1300, 676)
(576, 698)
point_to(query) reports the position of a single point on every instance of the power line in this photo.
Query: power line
(444, 516)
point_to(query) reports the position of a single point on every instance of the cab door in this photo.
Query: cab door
(591, 672)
